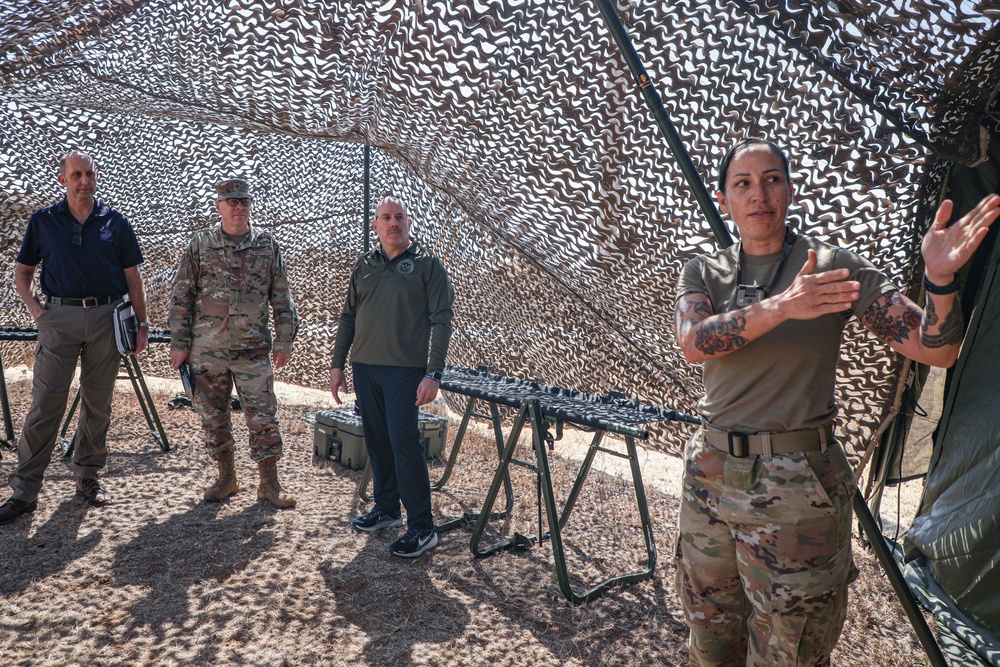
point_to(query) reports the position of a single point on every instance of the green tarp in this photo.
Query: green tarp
(953, 545)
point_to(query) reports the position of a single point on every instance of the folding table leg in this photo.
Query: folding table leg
(8, 422)
(146, 401)
(502, 472)
(531, 410)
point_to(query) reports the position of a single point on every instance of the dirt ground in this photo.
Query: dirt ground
(161, 578)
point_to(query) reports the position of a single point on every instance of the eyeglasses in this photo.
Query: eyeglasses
(77, 229)
(239, 200)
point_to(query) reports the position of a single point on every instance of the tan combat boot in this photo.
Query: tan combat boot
(269, 488)
(226, 485)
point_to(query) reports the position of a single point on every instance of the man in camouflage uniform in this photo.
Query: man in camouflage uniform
(226, 281)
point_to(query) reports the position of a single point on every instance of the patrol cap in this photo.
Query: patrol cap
(234, 188)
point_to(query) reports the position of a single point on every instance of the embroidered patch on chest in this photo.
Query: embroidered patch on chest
(405, 267)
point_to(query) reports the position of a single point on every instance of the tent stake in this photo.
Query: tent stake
(888, 562)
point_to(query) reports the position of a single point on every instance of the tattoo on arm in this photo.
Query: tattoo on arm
(951, 330)
(930, 313)
(689, 312)
(887, 327)
(724, 335)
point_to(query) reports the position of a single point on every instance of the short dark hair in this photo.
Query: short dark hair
(745, 143)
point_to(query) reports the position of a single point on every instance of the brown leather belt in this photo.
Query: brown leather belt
(85, 302)
(741, 444)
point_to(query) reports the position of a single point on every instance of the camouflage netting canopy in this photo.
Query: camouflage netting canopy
(514, 130)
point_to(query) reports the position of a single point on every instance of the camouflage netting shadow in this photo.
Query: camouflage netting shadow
(513, 130)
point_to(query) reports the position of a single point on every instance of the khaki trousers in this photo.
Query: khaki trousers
(67, 334)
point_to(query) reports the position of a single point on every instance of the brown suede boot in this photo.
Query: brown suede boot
(226, 485)
(269, 488)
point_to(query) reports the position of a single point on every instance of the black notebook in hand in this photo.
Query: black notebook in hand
(126, 328)
(185, 371)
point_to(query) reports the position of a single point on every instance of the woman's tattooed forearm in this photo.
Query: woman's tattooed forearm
(723, 335)
(951, 330)
(889, 328)
(899, 327)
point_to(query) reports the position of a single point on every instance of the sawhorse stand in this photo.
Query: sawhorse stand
(541, 405)
(134, 374)
(531, 413)
(8, 442)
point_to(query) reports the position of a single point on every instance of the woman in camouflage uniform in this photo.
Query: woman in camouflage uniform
(764, 550)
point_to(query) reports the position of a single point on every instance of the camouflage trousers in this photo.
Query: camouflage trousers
(763, 555)
(214, 373)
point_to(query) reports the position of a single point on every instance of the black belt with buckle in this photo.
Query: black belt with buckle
(85, 302)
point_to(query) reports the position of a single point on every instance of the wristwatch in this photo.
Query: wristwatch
(436, 376)
(950, 288)
(143, 325)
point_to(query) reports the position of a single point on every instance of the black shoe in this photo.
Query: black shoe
(92, 492)
(377, 520)
(14, 508)
(413, 543)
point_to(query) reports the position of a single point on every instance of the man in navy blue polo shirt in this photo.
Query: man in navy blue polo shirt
(90, 258)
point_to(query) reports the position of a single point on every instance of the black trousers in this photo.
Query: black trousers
(387, 396)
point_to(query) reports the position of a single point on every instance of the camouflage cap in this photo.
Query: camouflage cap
(234, 188)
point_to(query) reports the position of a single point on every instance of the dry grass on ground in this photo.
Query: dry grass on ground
(161, 578)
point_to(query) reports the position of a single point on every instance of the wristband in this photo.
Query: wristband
(942, 289)
(436, 376)
(143, 325)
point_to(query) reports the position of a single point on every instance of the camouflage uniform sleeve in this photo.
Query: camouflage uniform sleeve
(440, 298)
(181, 309)
(286, 319)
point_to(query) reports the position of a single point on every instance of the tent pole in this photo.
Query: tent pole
(366, 225)
(888, 562)
(655, 105)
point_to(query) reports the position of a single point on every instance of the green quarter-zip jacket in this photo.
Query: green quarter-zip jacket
(222, 294)
(397, 312)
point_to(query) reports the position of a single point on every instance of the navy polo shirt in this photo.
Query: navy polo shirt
(93, 268)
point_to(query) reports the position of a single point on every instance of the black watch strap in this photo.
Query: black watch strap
(436, 376)
(942, 289)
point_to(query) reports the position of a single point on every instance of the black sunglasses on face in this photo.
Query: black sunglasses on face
(238, 200)
(77, 239)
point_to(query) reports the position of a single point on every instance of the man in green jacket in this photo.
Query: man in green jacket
(229, 279)
(397, 323)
